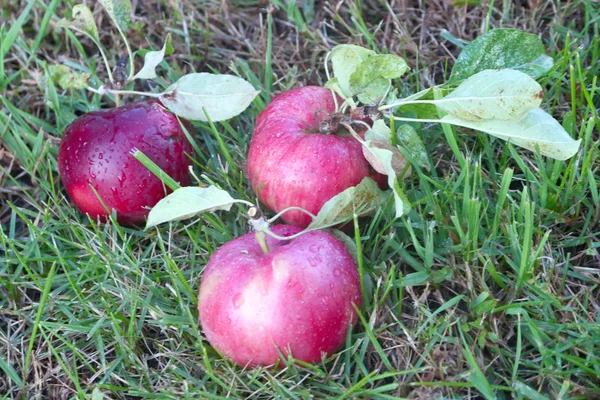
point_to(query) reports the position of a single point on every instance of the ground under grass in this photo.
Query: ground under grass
(488, 288)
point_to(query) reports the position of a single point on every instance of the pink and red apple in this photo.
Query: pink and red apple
(290, 163)
(95, 151)
(298, 298)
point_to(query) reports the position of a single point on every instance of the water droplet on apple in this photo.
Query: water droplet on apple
(261, 328)
(337, 272)
(292, 282)
(238, 300)
(312, 262)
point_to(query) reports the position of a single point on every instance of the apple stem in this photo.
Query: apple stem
(262, 241)
(260, 224)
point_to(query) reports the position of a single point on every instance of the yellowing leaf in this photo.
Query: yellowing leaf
(361, 199)
(503, 94)
(536, 129)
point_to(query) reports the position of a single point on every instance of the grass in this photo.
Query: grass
(488, 288)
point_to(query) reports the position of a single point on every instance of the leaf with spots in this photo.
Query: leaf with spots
(493, 94)
(119, 11)
(536, 129)
(361, 199)
(83, 21)
(411, 144)
(372, 77)
(344, 59)
(502, 48)
(67, 78)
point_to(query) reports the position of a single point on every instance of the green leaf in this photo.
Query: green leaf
(334, 85)
(83, 20)
(97, 394)
(344, 59)
(371, 78)
(537, 128)
(348, 242)
(153, 58)
(419, 110)
(502, 48)
(379, 131)
(119, 11)
(67, 78)
(222, 96)
(412, 145)
(494, 94)
(361, 199)
(188, 201)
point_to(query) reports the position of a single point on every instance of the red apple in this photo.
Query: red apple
(296, 298)
(95, 151)
(291, 163)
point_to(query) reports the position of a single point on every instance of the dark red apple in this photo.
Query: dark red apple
(95, 151)
(291, 163)
(296, 298)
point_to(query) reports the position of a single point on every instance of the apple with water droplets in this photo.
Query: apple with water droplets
(291, 163)
(95, 155)
(298, 298)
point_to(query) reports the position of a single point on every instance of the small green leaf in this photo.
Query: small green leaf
(344, 59)
(67, 78)
(222, 96)
(410, 142)
(361, 199)
(502, 48)
(119, 11)
(415, 278)
(97, 394)
(371, 78)
(536, 129)
(83, 20)
(188, 201)
(153, 58)
(494, 94)
(379, 131)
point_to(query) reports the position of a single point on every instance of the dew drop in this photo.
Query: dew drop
(337, 272)
(238, 300)
(292, 282)
(312, 262)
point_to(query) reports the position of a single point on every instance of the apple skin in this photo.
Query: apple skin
(290, 163)
(297, 298)
(95, 150)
